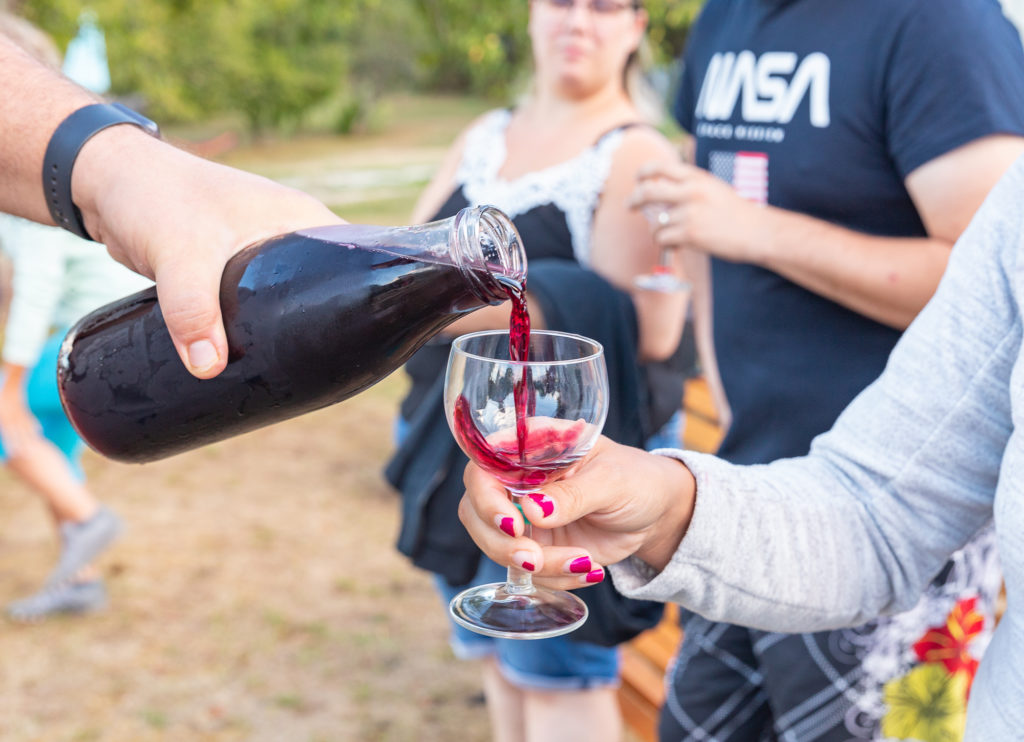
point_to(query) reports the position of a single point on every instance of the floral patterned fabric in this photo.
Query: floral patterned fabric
(903, 677)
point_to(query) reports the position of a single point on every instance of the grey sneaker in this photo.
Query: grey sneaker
(83, 542)
(65, 598)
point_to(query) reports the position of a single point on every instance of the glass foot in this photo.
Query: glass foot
(491, 610)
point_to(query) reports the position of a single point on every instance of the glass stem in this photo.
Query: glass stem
(519, 581)
(665, 259)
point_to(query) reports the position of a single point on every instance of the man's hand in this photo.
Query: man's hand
(178, 219)
(694, 209)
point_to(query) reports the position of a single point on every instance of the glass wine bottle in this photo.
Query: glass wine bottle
(312, 318)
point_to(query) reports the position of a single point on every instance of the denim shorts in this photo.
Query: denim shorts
(670, 435)
(535, 664)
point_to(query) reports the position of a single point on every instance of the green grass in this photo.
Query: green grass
(155, 719)
(395, 210)
(290, 702)
(406, 142)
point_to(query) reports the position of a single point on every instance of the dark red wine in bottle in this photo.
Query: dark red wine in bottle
(312, 318)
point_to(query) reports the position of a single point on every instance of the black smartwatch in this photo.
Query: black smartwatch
(63, 149)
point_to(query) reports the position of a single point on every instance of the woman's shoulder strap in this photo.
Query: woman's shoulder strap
(624, 127)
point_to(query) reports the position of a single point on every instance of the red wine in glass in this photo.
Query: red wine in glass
(531, 458)
(525, 422)
(538, 455)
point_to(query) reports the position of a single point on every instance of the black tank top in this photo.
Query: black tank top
(552, 209)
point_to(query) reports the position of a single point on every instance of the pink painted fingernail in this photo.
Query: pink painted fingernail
(546, 506)
(595, 575)
(580, 564)
(522, 559)
(506, 524)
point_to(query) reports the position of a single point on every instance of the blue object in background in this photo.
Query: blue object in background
(85, 61)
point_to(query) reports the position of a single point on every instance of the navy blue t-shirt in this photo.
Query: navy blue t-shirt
(824, 107)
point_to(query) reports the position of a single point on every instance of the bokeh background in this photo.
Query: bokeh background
(256, 594)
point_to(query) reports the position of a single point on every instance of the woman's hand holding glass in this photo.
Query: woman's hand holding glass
(527, 423)
(616, 502)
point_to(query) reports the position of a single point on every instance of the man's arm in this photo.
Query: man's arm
(890, 280)
(36, 100)
(162, 212)
(887, 279)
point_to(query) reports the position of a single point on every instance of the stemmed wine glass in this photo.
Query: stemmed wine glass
(526, 423)
(662, 276)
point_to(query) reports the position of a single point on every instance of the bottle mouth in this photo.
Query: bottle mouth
(494, 260)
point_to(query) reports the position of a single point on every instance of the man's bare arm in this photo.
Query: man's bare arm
(36, 100)
(164, 213)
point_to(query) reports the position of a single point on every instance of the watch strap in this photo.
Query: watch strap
(65, 144)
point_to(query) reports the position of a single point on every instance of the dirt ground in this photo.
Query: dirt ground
(256, 595)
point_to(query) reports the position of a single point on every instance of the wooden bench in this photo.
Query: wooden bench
(645, 659)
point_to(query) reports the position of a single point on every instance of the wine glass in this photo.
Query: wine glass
(526, 423)
(662, 276)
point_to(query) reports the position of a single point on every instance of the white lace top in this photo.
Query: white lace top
(573, 186)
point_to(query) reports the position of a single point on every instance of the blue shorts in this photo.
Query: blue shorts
(670, 435)
(536, 664)
(44, 403)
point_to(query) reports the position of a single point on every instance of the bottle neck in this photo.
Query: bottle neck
(486, 247)
(481, 241)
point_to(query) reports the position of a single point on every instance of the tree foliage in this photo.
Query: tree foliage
(670, 23)
(477, 47)
(268, 59)
(484, 47)
(274, 60)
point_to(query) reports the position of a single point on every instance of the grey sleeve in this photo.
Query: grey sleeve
(905, 477)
